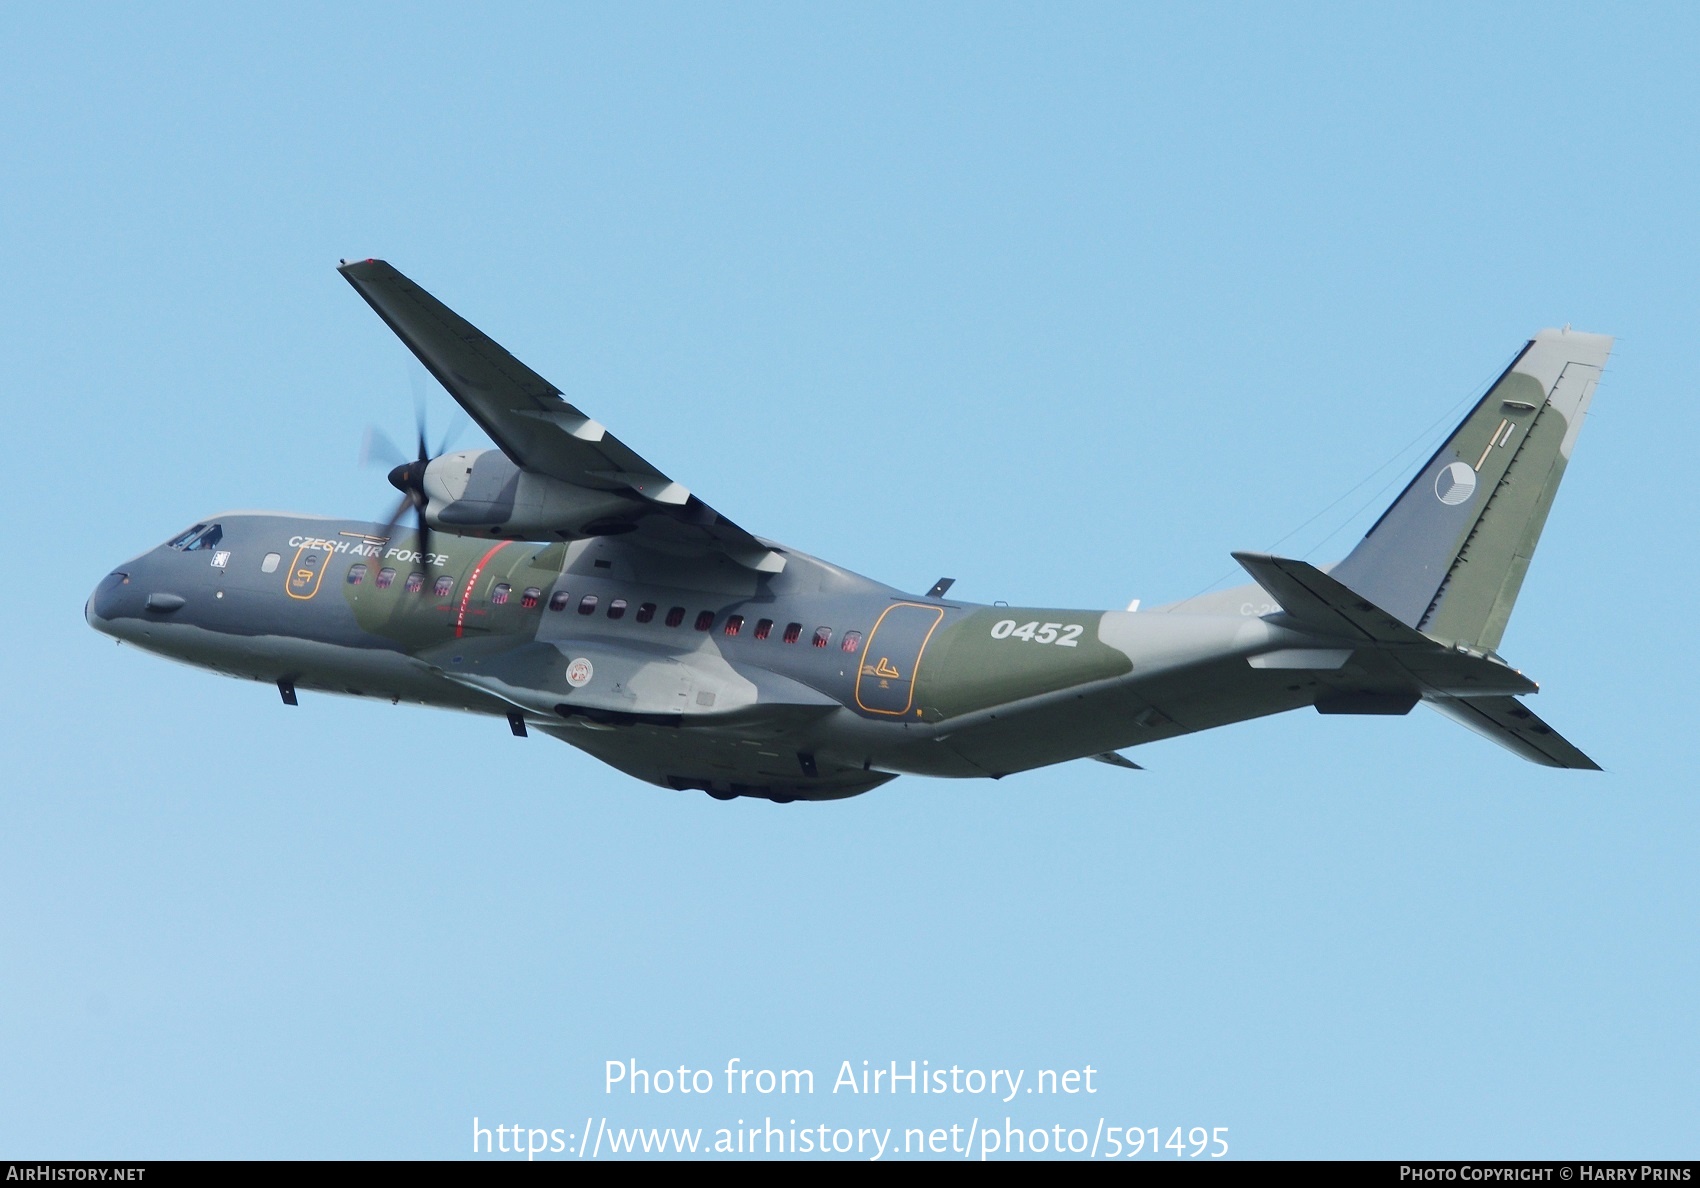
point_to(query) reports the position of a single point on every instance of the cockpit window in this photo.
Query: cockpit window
(201, 536)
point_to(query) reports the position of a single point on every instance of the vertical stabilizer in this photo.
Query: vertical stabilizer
(1449, 556)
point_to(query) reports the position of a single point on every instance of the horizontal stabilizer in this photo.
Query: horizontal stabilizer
(1316, 602)
(1323, 604)
(1514, 726)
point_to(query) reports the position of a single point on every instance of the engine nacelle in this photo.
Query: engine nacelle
(482, 493)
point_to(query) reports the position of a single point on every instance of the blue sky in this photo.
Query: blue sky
(1065, 303)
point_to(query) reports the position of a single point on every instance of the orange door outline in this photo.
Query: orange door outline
(298, 576)
(884, 669)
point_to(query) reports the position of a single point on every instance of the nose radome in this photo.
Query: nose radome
(108, 600)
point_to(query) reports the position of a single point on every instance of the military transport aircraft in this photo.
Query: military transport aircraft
(564, 584)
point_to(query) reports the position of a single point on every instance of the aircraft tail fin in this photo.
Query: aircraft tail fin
(1448, 557)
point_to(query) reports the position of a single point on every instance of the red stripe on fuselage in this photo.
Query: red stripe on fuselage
(472, 583)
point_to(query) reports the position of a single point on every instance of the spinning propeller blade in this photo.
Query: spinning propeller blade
(406, 477)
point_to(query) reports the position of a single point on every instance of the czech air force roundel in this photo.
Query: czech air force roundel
(1455, 484)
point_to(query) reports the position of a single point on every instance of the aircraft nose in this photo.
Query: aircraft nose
(114, 598)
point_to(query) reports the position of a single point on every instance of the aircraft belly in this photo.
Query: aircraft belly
(772, 764)
(1133, 710)
(563, 677)
(1219, 693)
(1054, 731)
(313, 665)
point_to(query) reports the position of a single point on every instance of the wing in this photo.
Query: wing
(538, 429)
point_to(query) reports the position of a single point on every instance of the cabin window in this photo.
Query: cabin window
(705, 620)
(734, 624)
(675, 616)
(444, 587)
(764, 628)
(415, 583)
(386, 578)
(499, 593)
(587, 605)
(558, 600)
(269, 565)
(852, 641)
(645, 613)
(356, 574)
(617, 609)
(528, 600)
(823, 636)
(793, 632)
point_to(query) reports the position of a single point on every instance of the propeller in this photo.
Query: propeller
(407, 476)
(409, 479)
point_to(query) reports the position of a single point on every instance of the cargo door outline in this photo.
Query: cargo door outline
(306, 571)
(885, 678)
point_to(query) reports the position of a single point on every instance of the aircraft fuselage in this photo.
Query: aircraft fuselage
(809, 683)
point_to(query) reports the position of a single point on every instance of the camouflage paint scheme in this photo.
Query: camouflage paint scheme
(572, 589)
